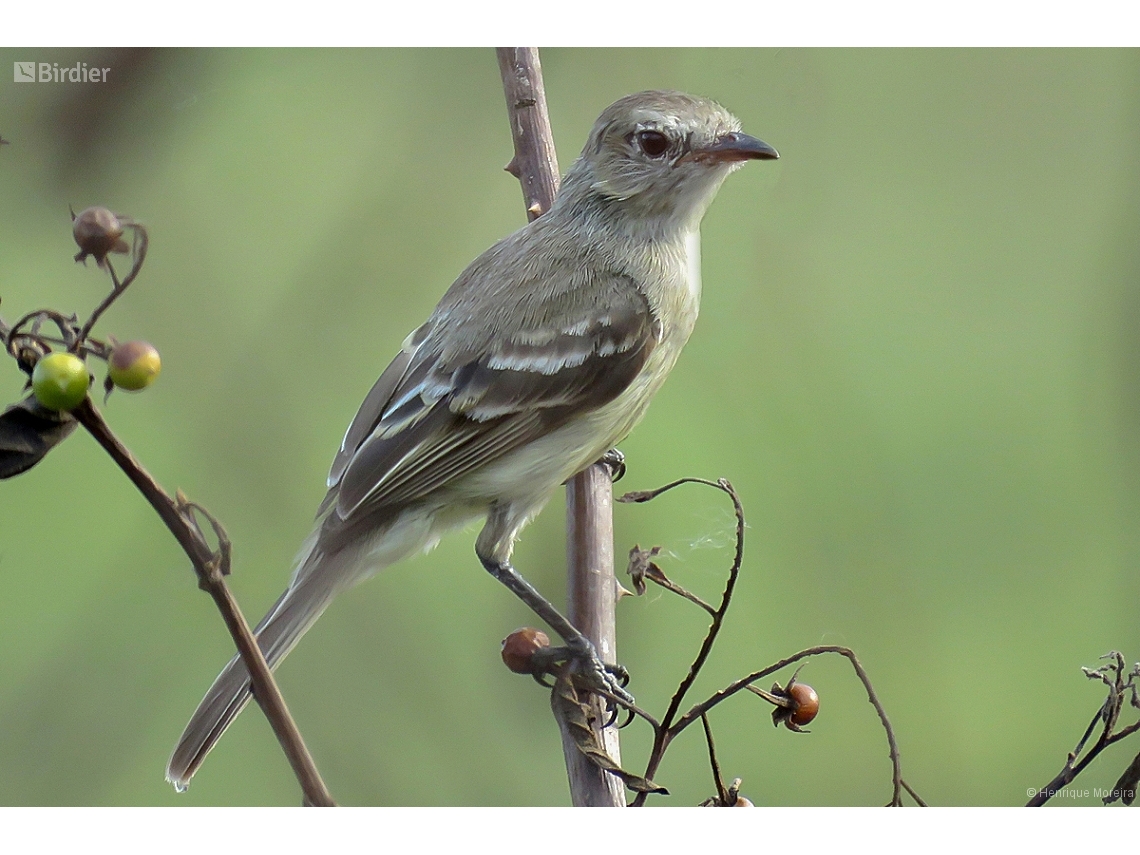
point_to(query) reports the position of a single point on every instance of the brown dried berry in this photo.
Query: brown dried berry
(520, 646)
(97, 232)
(805, 703)
(743, 802)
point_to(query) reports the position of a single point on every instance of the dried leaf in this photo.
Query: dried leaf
(654, 572)
(637, 496)
(576, 713)
(1125, 788)
(641, 565)
(28, 432)
(638, 562)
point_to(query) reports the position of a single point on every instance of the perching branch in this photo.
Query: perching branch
(535, 163)
(589, 494)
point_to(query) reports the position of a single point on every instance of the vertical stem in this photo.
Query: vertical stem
(592, 592)
(589, 494)
(535, 163)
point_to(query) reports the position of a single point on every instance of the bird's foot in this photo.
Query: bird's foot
(615, 461)
(593, 673)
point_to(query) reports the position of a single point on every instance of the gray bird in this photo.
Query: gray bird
(542, 355)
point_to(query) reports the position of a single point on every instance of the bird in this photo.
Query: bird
(539, 358)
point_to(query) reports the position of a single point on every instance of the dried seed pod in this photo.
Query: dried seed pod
(97, 232)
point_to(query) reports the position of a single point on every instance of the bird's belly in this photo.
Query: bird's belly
(536, 469)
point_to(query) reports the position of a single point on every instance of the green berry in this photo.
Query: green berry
(133, 365)
(60, 381)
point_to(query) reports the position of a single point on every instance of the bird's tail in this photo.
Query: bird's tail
(277, 634)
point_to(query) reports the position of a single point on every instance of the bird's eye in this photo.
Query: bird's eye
(653, 143)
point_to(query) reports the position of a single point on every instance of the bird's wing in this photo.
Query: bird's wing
(375, 402)
(451, 403)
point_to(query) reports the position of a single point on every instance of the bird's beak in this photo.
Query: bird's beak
(733, 148)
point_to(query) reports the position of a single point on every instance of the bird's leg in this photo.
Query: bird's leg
(607, 677)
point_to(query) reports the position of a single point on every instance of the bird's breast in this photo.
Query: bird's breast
(693, 267)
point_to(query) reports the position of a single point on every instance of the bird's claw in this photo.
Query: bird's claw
(619, 672)
(614, 460)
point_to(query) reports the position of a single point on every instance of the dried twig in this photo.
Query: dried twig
(718, 781)
(670, 726)
(739, 685)
(1122, 685)
(140, 248)
(177, 514)
(662, 734)
(211, 568)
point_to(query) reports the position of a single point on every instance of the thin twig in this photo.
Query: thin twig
(669, 729)
(1119, 686)
(65, 324)
(726, 598)
(718, 781)
(663, 735)
(917, 798)
(140, 247)
(210, 568)
(673, 587)
(700, 709)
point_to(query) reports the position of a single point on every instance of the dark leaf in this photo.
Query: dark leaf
(1125, 788)
(641, 565)
(28, 432)
(576, 713)
(637, 496)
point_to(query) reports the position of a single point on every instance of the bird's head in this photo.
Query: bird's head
(663, 154)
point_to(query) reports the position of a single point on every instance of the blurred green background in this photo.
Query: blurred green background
(918, 360)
